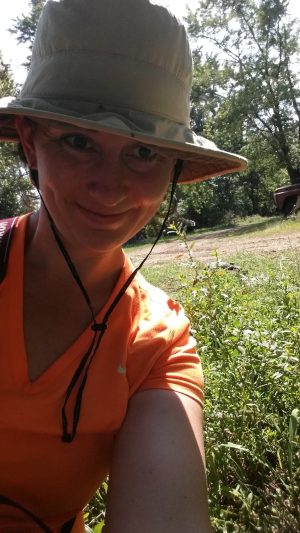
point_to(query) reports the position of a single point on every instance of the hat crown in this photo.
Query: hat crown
(121, 54)
(130, 28)
(117, 66)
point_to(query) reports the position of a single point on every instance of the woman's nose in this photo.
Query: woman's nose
(107, 181)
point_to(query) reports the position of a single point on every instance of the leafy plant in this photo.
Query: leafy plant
(247, 325)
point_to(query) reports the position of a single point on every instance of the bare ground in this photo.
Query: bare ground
(225, 242)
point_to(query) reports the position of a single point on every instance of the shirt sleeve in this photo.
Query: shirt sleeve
(163, 353)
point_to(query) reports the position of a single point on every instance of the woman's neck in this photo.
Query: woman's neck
(42, 254)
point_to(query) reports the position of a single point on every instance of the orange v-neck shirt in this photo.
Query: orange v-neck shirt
(146, 346)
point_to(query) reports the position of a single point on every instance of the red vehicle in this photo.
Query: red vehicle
(287, 198)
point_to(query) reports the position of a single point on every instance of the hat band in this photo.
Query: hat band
(128, 122)
(108, 80)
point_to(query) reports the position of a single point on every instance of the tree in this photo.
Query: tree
(16, 194)
(25, 26)
(15, 189)
(245, 69)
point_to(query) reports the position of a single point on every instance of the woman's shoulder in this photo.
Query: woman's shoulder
(12, 240)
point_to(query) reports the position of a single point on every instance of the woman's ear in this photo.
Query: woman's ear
(25, 129)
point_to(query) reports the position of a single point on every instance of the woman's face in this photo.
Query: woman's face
(100, 189)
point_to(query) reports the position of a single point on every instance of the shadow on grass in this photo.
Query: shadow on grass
(216, 231)
(236, 230)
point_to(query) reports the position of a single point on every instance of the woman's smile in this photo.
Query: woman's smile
(101, 218)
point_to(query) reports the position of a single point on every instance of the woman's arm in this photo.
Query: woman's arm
(157, 480)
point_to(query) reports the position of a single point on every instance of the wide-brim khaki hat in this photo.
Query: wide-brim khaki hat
(122, 67)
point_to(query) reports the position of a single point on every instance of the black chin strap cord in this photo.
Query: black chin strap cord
(4, 500)
(68, 260)
(98, 329)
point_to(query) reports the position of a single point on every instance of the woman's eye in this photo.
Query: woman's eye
(141, 158)
(144, 153)
(78, 142)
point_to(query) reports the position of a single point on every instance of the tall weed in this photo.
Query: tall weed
(247, 325)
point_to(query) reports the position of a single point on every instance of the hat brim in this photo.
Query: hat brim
(202, 159)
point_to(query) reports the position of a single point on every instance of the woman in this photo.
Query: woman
(98, 371)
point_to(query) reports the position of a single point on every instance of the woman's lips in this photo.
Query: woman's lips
(101, 219)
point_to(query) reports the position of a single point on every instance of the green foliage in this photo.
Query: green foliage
(6, 81)
(24, 27)
(245, 83)
(95, 511)
(16, 193)
(245, 97)
(222, 199)
(247, 325)
(15, 189)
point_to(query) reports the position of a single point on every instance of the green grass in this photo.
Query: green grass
(248, 226)
(267, 226)
(247, 325)
(168, 276)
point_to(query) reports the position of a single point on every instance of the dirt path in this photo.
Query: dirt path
(225, 242)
